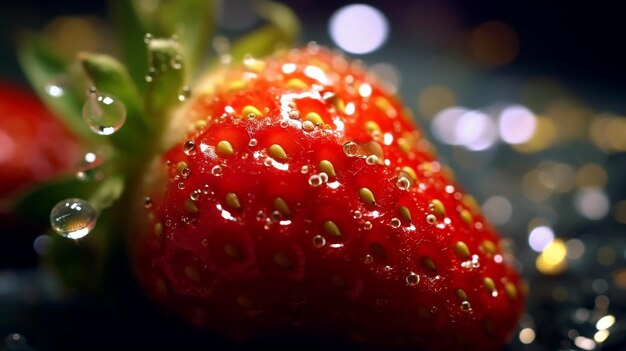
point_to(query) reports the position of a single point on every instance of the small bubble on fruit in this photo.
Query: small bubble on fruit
(367, 225)
(308, 126)
(268, 161)
(357, 214)
(294, 114)
(104, 114)
(260, 216)
(147, 202)
(184, 93)
(304, 169)
(403, 183)
(319, 241)
(371, 160)
(466, 306)
(284, 124)
(253, 142)
(368, 259)
(181, 185)
(73, 218)
(431, 219)
(315, 180)
(412, 279)
(351, 149)
(189, 147)
(323, 177)
(395, 222)
(185, 173)
(195, 195)
(217, 170)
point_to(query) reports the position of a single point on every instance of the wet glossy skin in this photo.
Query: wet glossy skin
(305, 198)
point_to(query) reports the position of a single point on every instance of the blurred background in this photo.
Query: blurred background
(525, 101)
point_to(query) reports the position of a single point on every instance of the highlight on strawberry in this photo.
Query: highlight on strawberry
(279, 190)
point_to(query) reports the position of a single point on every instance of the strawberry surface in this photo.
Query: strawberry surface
(303, 198)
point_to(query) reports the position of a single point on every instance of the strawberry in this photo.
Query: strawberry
(34, 146)
(297, 196)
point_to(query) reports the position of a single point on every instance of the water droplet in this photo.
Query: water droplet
(73, 218)
(217, 170)
(371, 160)
(434, 309)
(403, 183)
(412, 279)
(294, 114)
(319, 241)
(147, 202)
(177, 62)
(103, 113)
(431, 219)
(253, 142)
(367, 225)
(181, 185)
(315, 180)
(184, 93)
(268, 161)
(195, 195)
(466, 306)
(189, 148)
(323, 177)
(185, 172)
(150, 75)
(260, 216)
(357, 214)
(55, 90)
(284, 124)
(395, 222)
(308, 126)
(147, 38)
(351, 149)
(304, 169)
(368, 259)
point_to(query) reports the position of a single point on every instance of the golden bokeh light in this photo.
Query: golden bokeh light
(553, 259)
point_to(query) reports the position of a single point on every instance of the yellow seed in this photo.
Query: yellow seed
(232, 251)
(314, 118)
(405, 213)
(295, 83)
(367, 196)
(470, 202)
(428, 263)
(489, 284)
(410, 173)
(460, 293)
(181, 165)
(382, 103)
(437, 207)
(461, 249)
(371, 127)
(339, 104)
(281, 205)
(200, 124)
(511, 290)
(249, 111)
(331, 228)
(236, 85)
(191, 271)
(466, 216)
(224, 148)
(232, 200)
(282, 260)
(328, 168)
(158, 229)
(190, 206)
(244, 301)
(489, 246)
(405, 145)
(277, 152)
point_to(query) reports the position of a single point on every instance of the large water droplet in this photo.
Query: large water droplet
(351, 149)
(315, 180)
(104, 113)
(403, 183)
(73, 218)
(189, 148)
(466, 306)
(412, 279)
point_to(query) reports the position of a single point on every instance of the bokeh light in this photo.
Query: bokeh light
(498, 210)
(358, 28)
(592, 202)
(517, 124)
(540, 237)
(553, 258)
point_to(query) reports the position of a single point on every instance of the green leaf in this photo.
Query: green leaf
(110, 76)
(43, 67)
(107, 192)
(167, 77)
(35, 206)
(282, 30)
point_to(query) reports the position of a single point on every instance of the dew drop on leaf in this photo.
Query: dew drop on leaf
(105, 114)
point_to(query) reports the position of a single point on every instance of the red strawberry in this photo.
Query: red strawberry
(303, 198)
(34, 146)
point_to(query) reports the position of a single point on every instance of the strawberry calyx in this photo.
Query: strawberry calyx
(129, 105)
